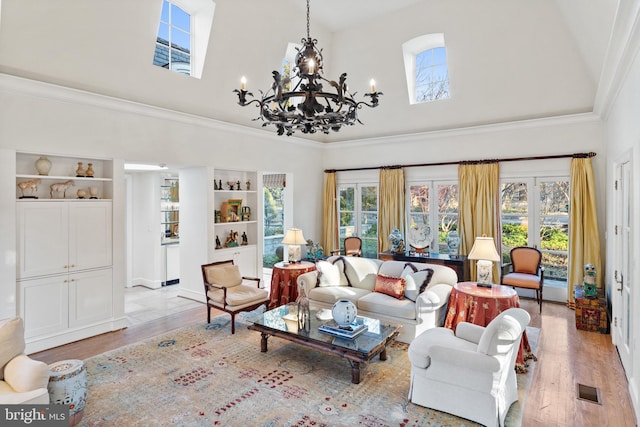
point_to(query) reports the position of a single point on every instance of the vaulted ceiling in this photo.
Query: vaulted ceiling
(508, 60)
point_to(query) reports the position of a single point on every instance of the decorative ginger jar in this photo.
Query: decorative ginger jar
(395, 238)
(43, 165)
(453, 242)
(344, 312)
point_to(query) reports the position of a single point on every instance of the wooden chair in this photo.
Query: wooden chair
(525, 271)
(225, 290)
(352, 247)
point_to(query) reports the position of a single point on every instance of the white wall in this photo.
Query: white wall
(623, 139)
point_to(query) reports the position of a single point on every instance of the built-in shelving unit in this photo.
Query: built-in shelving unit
(170, 210)
(65, 283)
(236, 215)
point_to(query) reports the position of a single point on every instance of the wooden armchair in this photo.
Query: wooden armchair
(225, 290)
(525, 271)
(352, 247)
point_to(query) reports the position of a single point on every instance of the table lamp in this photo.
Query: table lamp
(294, 238)
(484, 250)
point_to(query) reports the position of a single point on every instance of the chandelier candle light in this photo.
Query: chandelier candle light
(484, 250)
(307, 107)
(294, 238)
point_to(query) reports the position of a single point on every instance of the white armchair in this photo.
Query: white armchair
(470, 374)
(22, 379)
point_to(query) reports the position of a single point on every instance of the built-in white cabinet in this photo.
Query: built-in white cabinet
(236, 230)
(64, 242)
(60, 237)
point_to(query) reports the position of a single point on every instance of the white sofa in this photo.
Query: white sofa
(356, 279)
(22, 379)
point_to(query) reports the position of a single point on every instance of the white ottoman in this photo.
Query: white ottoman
(68, 386)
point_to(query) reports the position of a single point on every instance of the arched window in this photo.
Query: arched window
(425, 62)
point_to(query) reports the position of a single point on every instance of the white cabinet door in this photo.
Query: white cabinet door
(243, 256)
(90, 297)
(89, 235)
(44, 305)
(43, 238)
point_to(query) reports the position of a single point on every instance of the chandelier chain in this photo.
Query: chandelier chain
(308, 27)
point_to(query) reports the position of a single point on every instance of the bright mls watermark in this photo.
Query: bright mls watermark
(34, 415)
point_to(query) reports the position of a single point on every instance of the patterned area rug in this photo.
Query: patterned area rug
(201, 375)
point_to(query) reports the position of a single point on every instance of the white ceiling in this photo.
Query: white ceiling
(508, 60)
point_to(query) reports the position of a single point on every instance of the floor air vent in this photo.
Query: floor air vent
(588, 393)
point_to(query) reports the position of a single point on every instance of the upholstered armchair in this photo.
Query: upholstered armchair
(226, 290)
(22, 379)
(471, 373)
(352, 247)
(524, 271)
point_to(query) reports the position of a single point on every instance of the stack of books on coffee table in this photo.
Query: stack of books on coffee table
(350, 331)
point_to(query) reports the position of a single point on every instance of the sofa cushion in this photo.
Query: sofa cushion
(331, 294)
(11, 341)
(362, 272)
(331, 274)
(384, 305)
(392, 286)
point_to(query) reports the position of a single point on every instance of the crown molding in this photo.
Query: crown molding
(563, 120)
(49, 91)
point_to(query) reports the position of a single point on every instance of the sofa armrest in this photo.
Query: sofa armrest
(25, 374)
(306, 282)
(434, 297)
(469, 332)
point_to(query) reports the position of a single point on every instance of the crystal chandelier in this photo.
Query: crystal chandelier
(307, 107)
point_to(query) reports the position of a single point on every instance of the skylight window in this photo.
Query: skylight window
(173, 45)
(183, 35)
(425, 61)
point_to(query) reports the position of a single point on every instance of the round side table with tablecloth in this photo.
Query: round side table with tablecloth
(479, 305)
(68, 386)
(284, 285)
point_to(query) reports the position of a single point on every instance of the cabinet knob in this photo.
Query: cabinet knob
(73, 265)
(66, 266)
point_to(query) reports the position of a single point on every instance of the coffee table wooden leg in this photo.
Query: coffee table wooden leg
(263, 342)
(355, 372)
(383, 354)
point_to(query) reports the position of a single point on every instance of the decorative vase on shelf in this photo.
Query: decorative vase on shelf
(344, 312)
(89, 172)
(453, 242)
(43, 165)
(80, 172)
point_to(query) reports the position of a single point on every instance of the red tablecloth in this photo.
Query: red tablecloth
(478, 305)
(284, 286)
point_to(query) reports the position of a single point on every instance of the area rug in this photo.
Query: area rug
(201, 375)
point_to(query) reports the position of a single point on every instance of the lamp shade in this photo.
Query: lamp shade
(484, 248)
(294, 236)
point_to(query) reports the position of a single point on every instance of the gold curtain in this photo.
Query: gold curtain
(390, 205)
(479, 207)
(584, 239)
(330, 239)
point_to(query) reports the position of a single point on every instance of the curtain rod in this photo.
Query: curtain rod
(469, 162)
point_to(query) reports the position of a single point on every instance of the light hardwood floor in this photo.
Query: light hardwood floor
(566, 357)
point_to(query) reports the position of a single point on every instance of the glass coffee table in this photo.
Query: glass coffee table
(280, 323)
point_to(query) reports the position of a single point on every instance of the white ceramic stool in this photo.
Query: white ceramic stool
(68, 386)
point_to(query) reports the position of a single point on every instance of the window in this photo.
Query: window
(425, 61)
(273, 219)
(445, 207)
(358, 216)
(173, 45)
(540, 221)
(183, 35)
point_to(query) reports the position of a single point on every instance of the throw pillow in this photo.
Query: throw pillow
(11, 341)
(392, 286)
(329, 274)
(427, 279)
